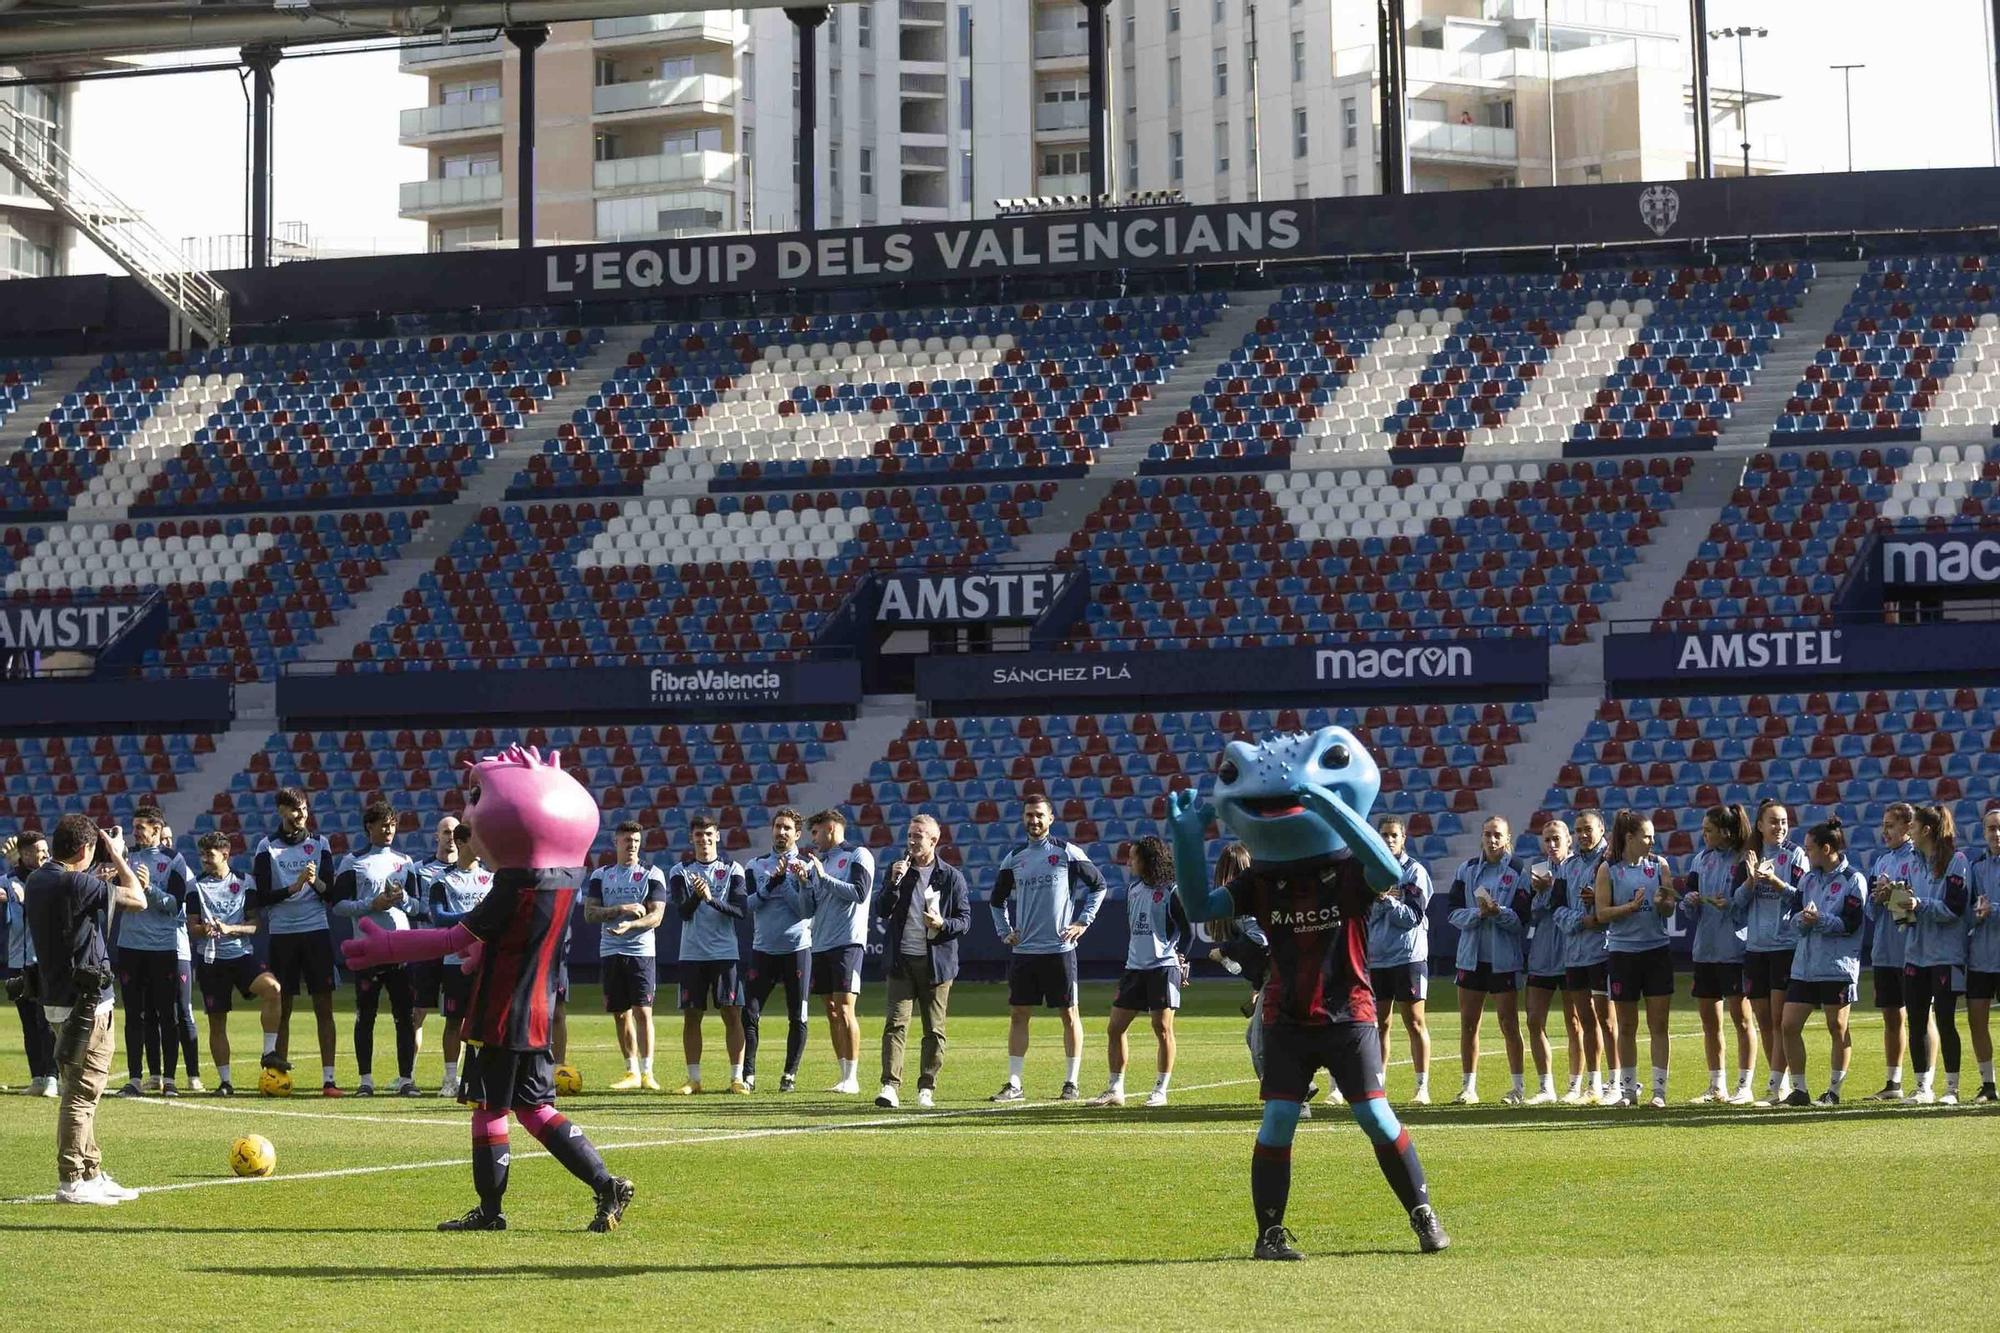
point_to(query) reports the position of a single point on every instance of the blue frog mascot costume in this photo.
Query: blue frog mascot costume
(1300, 803)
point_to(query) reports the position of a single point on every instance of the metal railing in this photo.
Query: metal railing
(30, 149)
(1062, 115)
(1060, 43)
(431, 52)
(692, 25)
(1487, 143)
(707, 167)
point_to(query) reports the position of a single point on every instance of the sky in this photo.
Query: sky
(1925, 100)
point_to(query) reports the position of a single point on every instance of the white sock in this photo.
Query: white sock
(1160, 1083)
(1118, 1081)
(1835, 1079)
(1548, 1083)
(1784, 1088)
(694, 1071)
(1659, 1081)
(1771, 1084)
(222, 1072)
(1424, 1081)
(367, 1080)
(646, 1064)
(1576, 1085)
(735, 1072)
(631, 1064)
(847, 1068)
(1596, 1083)
(326, 1073)
(1472, 1082)
(1924, 1079)
(1895, 1076)
(451, 1069)
(1515, 1080)
(270, 1042)
(1744, 1077)
(1715, 1080)
(1985, 1071)
(1014, 1063)
(1075, 1068)
(1951, 1082)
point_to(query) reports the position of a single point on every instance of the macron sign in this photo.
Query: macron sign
(1941, 560)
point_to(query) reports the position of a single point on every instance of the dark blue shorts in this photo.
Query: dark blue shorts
(837, 971)
(304, 962)
(1042, 978)
(703, 983)
(1147, 990)
(1593, 978)
(426, 983)
(1981, 985)
(1484, 979)
(1649, 972)
(224, 979)
(1717, 981)
(1888, 987)
(498, 1079)
(1819, 993)
(1294, 1054)
(768, 971)
(1547, 981)
(1407, 982)
(629, 982)
(1766, 971)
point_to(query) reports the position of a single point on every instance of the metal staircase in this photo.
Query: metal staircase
(196, 302)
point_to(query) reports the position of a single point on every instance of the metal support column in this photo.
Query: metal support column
(1704, 154)
(527, 39)
(262, 60)
(1391, 33)
(1096, 19)
(807, 19)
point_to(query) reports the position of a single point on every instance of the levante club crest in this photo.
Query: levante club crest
(1659, 208)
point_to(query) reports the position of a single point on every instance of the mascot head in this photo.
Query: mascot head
(523, 812)
(1271, 795)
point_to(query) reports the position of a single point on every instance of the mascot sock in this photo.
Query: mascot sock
(1394, 1152)
(566, 1143)
(1271, 1164)
(489, 1157)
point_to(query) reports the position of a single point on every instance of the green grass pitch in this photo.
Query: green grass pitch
(815, 1211)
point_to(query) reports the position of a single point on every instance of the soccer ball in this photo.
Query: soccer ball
(274, 1083)
(253, 1155)
(569, 1081)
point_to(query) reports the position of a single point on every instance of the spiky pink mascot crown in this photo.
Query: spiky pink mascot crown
(527, 813)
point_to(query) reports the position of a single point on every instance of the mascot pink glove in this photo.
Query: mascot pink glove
(373, 946)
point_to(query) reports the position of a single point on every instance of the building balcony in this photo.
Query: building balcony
(1443, 141)
(423, 124)
(1046, 186)
(1061, 117)
(427, 55)
(697, 94)
(1637, 16)
(1062, 44)
(688, 170)
(687, 28)
(457, 194)
(922, 11)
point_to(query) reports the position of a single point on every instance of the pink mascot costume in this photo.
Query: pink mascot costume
(533, 824)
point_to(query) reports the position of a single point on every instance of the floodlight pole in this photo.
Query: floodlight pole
(1847, 100)
(527, 38)
(1391, 30)
(807, 19)
(262, 60)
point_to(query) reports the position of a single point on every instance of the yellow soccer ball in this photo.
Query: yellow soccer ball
(569, 1080)
(274, 1083)
(253, 1155)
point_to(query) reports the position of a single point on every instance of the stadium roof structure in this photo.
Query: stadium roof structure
(49, 29)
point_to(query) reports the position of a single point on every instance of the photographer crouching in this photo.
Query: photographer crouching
(66, 906)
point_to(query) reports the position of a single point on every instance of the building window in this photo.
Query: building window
(965, 32)
(1173, 81)
(604, 73)
(867, 171)
(453, 94)
(1350, 184)
(1220, 14)
(965, 175)
(677, 67)
(1173, 16)
(864, 26)
(605, 148)
(1174, 156)
(1298, 57)
(1250, 142)
(1221, 74)
(1350, 128)
(965, 104)
(467, 237)
(1131, 29)
(1299, 145)
(461, 165)
(867, 96)
(1131, 163)
(1221, 147)
(749, 76)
